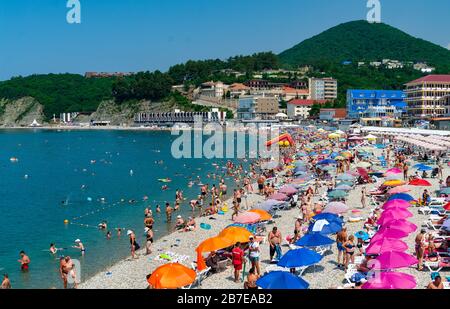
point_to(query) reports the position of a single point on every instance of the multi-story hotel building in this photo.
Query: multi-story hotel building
(426, 96)
(323, 89)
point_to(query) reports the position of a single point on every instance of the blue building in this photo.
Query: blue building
(376, 104)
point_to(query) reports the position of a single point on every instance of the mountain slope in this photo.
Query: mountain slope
(362, 41)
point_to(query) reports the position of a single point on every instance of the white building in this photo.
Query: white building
(323, 88)
(299, 109)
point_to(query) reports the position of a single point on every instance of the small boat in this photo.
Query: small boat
(14, 159)
(164, 180)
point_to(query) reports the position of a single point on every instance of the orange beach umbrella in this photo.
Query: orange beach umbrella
(264, 215)
(236, 234)
(171, 276)
(211, 244)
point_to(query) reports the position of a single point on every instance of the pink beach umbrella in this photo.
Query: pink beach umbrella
(247, 218)
(402, 225)
(401, 189)
(288, 190)
(393, 214)
(394, 170)
(389, 232)
(390, 281)
(279, 197)
(386, 245)
(396, 204)
(392, 260)
(336, 208)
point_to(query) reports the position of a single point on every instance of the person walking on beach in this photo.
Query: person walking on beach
(237, 260)
(134, 246)
(6, 284)
(363, 196)
(405, 171)
(420, 248)
(260, 181)
(235, 210)
(349, 246)
(66, 268)
(341, 239)
(274, 243)
(149, 240)
(254, 254)
(24, 261)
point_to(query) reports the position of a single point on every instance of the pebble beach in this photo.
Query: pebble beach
(131, 274)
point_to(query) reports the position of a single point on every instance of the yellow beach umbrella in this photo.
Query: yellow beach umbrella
(334, 135)
(394, 183)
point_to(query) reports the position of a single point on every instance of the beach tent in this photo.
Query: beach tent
(171, 276)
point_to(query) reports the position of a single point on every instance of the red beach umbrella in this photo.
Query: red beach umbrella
(420, 183)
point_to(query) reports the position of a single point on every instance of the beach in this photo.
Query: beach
(131, 274)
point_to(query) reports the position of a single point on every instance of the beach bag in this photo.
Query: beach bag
(205, 226)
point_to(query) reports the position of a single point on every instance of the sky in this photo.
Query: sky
(137, 35)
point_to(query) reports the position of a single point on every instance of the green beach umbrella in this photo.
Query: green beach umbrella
(337, 194)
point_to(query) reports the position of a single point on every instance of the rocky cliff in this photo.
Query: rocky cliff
(20, 112)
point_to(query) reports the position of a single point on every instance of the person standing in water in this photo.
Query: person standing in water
(24, 261)
(6, 284)
(53, 249)
(79, 245)
(133, 244)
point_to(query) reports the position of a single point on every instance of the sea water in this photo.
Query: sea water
(85, 177)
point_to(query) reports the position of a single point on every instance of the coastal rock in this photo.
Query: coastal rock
(20, 112)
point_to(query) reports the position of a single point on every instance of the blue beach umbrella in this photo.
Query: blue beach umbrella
(343, 187)
(299, 257)
(313, 153)
(327, 161)
(314, 240)
(334, 155)
(401, 196)
(445, 190)
(281, 280)
(329, 217)
(325, 227)
(337, 194)
(362, 235)
(345, 177)
(424, 168)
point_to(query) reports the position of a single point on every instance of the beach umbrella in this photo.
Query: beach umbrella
(346, 154)
(446, 224)
(371, 137)
(362, 235)
(388, 232)
(236, 234)
(343, 187)
(337, 194)
(281, 280)
(392, 260)
(299, 258)
(400, 189)
(329, 217)
(393, 177)
(401, 196)
(390, 281)
(314, 240)
(385, 245)
(402, 224)
(247, 218)
(355, 138)
(336, 208)
(279, 197)
(340, 158)
(288, 190)
(362, 172)
(268, 205)
(345, 177)
(393, 214)
(171, 276)
(325, 227)
(346, 183)
(340, 132)
(420, 183)
(214, 244)
(394, 170)
(447, 206)
(333, 136)
(394, 183)
(327, 161)
(364, 164)
(445, 191)
(423, 168)
(396, 203)
(263, 215)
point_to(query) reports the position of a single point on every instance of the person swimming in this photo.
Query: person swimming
(80, 246)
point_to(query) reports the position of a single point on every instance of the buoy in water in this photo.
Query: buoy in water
(66, 221)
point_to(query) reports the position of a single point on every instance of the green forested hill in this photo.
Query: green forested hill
(363, 41)
(59, 92)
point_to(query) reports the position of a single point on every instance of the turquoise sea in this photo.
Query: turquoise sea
(64, 175)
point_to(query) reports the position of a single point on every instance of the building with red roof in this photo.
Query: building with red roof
(426, 96)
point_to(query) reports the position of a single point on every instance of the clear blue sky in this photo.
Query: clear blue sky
(133, 35)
